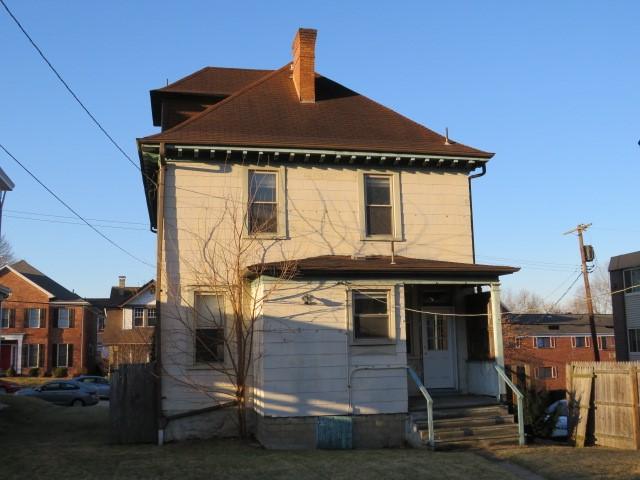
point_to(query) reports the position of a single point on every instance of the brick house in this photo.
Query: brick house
(44, 325)
(372, 211)
(538, 346)
(126, 328)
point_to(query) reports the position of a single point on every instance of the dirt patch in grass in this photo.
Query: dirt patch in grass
(40, 440)
(564, 462)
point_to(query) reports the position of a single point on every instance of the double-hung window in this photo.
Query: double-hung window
(263, 202)
(63, 317)
(581, 342)
(632, 280)
(31, 355)
(7, 318)
(151, 317)
(371, 317)
(607, 342)
(34, 317)
(378, 205)
(62, 355)
(543, 373)
(138, 317)
(544, 342)
(209, 328)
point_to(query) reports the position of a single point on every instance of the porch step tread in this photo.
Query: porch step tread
(463, 422)
(465, 412)
(481, 433)
(504, 442)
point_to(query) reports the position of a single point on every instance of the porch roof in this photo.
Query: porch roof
(378, 266)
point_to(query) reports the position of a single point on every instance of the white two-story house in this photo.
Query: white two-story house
(349, 227)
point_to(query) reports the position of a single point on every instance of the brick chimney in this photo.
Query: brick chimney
(122, 281)
(304, 60)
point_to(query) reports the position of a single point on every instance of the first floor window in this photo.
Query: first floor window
(581, 342)
(378, 205)
(31, 355)
(7, 318)
(209, 328)
(138, 317)
(634, 340)
(544, 342)
(62, 355)
(546, 372)
(34, 317)
(263, 202)
(371, 316)
(151, 317)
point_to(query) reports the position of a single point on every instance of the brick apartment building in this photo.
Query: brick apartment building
(43, 325)
(126, 334)
(538, 346)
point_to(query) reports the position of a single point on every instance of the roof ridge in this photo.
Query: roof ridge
(211, 108)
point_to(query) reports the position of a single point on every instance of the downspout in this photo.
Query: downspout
(473, 240)
(161, 421)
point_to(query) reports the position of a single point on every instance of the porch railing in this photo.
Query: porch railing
(520, 400)
(427, 397)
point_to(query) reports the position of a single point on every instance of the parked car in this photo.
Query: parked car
(8, 387)
(101, 384)
(558, 412)
(63, 392)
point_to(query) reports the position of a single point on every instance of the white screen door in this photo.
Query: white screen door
(439, 349)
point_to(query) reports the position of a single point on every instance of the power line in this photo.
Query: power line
(39, 214)
(68, 207)
(47, 220)
(66, 85)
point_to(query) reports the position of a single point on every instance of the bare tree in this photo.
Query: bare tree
(523, 301)
(219, 311)
(600, 294)
(6, 252)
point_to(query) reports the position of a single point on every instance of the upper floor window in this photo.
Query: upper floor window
(34, 317)
(634, 340)
(101, 322)
(371, 318)
(263, 202)
(544, 342)
(151, 317)
(632, 280)
(378, 205)
(7, 318)
(607, 342)
(138, 317)
(64, 317)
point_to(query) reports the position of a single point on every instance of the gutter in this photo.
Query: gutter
(161, 422)
(483, 171)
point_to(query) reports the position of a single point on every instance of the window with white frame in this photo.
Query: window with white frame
(138, 317)
(543, 373)
(632, 280)
(518, 342)
(262, 208)
(607, 342)
(31, 355)
(7, 318)
(101, 323)
(62, 354)
(151, 317)
(580, 342)
(371, 317)
(378, 205)
(544, 342)
(34, 317)
(634, 340)
(63, 317)
(209, 327)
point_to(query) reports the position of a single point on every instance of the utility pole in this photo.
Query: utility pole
(587, 288)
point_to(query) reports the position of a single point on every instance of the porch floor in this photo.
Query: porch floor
(450, 399)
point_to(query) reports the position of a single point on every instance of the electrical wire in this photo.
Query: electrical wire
(39, 214)
(68, 207)
(47, 220)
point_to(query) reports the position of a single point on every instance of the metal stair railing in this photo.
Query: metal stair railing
(423, 390)
(520, 400)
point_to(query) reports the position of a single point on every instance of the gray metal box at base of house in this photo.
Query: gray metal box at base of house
(334, 433)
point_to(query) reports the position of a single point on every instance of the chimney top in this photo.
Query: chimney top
(122, 281)
(303, 66)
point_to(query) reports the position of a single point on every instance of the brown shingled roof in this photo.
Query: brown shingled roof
(268, 113)
(215, 81)
(379, 265)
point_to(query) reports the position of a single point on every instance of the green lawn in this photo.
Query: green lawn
(39, 440)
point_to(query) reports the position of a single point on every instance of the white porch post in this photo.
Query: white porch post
(496, 318)
(19, 359)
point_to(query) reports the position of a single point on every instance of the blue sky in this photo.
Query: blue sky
(551, 87)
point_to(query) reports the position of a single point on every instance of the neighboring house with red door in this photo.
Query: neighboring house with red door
(43, 324)
(347, 229)
(126, 324)
(538, 346)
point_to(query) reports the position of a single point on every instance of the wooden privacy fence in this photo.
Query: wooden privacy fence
(132, 404)
(605, 400)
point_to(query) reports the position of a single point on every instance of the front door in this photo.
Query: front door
(439, 348)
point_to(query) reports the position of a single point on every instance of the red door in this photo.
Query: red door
(5, 356)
